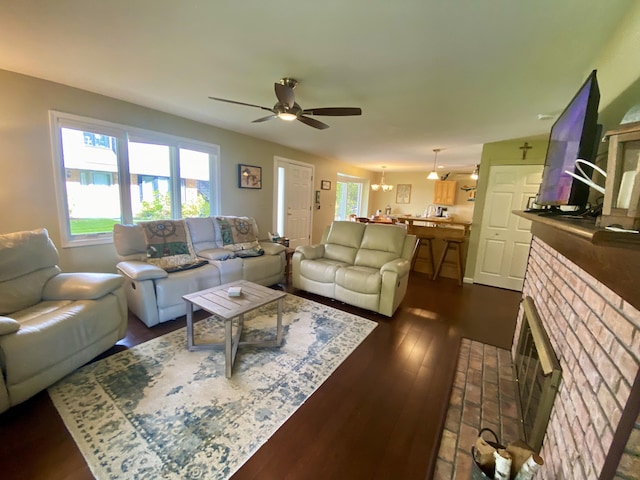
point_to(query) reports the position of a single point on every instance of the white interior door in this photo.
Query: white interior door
(294, 201)
(505, 238)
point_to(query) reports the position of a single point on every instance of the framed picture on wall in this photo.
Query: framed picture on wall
(403, 193)
(325, 185)
(249, 176)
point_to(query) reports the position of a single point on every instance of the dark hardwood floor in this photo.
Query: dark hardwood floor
(379, 416)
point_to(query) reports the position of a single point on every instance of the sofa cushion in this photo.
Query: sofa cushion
(168, 243)
(240, 235)
(130, 242)
(53, 332)
(380, 244)
(203, 234)
(257, 269)
(27, 261)
(321, 270)
(343, 241)
(359, 279)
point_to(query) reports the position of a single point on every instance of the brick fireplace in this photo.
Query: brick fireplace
(590, 313)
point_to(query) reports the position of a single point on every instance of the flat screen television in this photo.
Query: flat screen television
(574, 135)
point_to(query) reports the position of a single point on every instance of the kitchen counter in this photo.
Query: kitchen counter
(435, 222)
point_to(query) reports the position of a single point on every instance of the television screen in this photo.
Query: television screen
(573, 135)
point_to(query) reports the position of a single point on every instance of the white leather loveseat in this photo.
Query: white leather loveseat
(50, 322)
(366, 265)
(210, 251)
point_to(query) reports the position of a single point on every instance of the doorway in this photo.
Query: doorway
(293, 200)
(503, 248)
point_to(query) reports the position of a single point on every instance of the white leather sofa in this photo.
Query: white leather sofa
(50, 322)
(366, 265)
(154, 294)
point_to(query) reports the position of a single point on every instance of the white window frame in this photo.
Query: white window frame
(123, 134)
(364, 197)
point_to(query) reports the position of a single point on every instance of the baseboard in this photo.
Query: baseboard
(467, 280)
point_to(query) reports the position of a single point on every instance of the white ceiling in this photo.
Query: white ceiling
(450, 74)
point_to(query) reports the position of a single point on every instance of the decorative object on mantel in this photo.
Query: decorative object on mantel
(403, 194)
(632, 115)
(524, 149)
(434, 175)
(382, 186)
(621, 207)
(249, 176)
(325, 185)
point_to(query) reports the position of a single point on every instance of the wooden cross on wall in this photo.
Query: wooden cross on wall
(524, 149)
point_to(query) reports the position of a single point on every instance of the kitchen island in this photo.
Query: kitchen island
(438, 229)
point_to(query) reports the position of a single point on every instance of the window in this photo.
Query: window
(350, 197)
(108, 174)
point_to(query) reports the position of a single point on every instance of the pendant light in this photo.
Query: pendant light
(434, 175)
(474, 174)
(377, 186)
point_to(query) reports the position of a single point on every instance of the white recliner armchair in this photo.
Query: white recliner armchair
(50, 322)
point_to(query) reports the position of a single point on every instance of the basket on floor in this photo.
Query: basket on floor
(477, 473)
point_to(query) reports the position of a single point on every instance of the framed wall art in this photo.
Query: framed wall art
(403, 193)
(325, 185)
(249, 176)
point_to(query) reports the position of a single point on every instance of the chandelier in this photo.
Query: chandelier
(476, 171)
(434, 175)
(381, 186)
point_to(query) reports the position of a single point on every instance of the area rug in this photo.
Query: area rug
(159, 411)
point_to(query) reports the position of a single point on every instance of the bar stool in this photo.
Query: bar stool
(453, 243)
(424, 239)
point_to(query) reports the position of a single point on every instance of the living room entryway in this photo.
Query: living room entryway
(292, 200)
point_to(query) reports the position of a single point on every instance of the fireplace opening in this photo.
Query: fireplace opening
(538, 375)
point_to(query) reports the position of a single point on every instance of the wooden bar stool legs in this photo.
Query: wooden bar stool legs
(454, 243)
(424, 241)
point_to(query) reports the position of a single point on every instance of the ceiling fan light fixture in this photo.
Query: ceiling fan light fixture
(434, 175)
(474, 174)
(289, 117)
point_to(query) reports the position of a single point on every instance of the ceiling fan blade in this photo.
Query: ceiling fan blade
(285, 94)
(333, 111)
(264, 119)
(312, 122)
(240, 103)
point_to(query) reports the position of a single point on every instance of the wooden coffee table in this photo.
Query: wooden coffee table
(218, 303)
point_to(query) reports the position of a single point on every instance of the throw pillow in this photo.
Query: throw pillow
(240, 235)
(168, 244)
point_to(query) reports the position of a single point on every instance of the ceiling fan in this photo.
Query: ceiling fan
(288, 109)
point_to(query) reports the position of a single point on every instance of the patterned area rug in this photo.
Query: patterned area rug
(160, 411)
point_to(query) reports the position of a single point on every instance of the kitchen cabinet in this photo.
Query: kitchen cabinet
(444, 192)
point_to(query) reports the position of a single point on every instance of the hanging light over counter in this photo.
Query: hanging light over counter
(474, 174)
(434, 175)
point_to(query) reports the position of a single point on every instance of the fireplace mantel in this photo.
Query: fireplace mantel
(611, 257)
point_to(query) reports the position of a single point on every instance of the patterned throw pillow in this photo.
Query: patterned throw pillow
(168, 244)
(240, 235)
